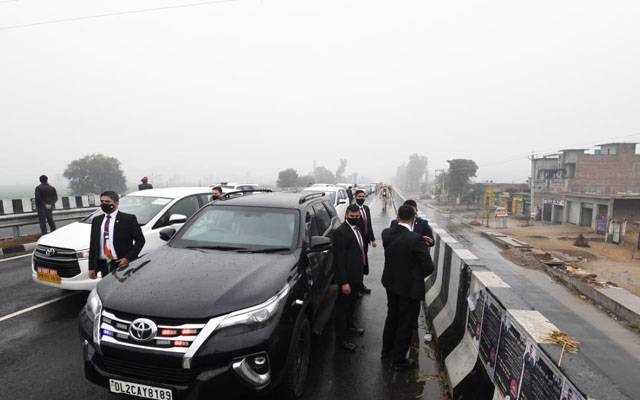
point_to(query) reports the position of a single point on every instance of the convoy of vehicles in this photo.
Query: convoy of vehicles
(61, 257)
(228, 305)
(336, 195)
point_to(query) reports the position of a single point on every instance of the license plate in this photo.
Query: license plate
(144, 391)
(48, 275)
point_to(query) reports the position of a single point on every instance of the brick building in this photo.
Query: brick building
(588, 189)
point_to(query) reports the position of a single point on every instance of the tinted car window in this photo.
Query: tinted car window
(331, 209)
(323, 218)
(187, 207)
(246, 227)
(145, 208)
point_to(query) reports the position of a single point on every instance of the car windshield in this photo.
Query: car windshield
(143, 207)
(245, 228)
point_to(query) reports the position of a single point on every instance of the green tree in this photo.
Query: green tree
(323, 175)
(458, 177)
(416, 170)
(306, 180)
(95, 173)
(288, 178)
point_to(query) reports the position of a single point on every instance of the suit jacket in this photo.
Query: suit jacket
(370, 235)
(347, 258)
(45, 194)
(406, 262)
(128, 239)
(421, 227)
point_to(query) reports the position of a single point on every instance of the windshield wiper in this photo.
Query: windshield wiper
(223, 248)
(267, 250)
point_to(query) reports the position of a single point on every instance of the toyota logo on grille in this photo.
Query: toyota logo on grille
(50, 252)
(143, 330)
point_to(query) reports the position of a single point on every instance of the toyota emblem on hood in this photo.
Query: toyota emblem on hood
(50, 252)
(143, 330)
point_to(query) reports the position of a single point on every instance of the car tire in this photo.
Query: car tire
(298, 360)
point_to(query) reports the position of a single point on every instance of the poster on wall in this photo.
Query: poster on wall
(540, 378)
(474, 321)
(491, 320)
(511, 350)
(569, 392)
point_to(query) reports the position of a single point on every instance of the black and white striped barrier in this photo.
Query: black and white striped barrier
(490, 341)
(22, 206)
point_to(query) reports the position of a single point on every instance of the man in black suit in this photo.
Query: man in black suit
(349, 262)
(46, 197)
(367, 230)
(116, 237)
(406, 265)
(420, 226)
(145, 185)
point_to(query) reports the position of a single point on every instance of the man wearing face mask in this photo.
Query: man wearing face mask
(349, 262)
(216, 193)
(116, 237)
(367, 231)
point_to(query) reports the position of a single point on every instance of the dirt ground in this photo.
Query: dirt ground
(610, 262)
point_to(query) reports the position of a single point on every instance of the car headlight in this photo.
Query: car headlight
(82, 254)
(93, 309)
(255, 317)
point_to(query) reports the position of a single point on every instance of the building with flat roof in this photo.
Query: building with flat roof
(587, 189)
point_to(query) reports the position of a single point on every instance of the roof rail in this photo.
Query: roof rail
(310, 196)
(237, 193)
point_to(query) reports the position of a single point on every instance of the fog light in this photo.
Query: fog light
(259, 361)
(254, 370)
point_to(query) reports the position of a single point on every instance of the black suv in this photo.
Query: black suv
(227, 307)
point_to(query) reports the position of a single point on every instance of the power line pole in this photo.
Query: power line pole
(532, 207)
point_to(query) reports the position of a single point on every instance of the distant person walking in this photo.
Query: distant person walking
(145, 184)
(406, 265)
(46, 198)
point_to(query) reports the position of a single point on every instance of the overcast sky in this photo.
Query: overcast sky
(241, 89)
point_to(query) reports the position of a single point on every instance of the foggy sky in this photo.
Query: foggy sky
(240, 90)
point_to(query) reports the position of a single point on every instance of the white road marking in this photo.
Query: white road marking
(46, 303)
(15, 258)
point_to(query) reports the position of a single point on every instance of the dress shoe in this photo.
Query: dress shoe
(355, 331)
(403, 365)
(347, 345)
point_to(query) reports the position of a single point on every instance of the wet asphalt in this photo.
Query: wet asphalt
(40, 353)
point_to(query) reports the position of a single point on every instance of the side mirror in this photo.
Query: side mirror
(167, 233)
(319, 243)
(177, 219)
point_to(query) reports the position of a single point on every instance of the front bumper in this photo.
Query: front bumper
(222, 381)
(78, 282)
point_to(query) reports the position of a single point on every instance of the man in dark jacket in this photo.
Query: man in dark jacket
(116, 237)
(46, 198)
(406, 265)
(367, 231)
(420, 225)
(349, 262)
(144, 185)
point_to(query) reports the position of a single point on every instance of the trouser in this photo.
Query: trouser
(401, 322)
(46, 215)
(106, 268)
(343, 312)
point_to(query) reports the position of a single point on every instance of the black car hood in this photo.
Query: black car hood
(195, 284)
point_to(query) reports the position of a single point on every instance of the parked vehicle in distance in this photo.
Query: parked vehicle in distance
(60, 258)
(226, 308)
(336, 195)
(233, 186)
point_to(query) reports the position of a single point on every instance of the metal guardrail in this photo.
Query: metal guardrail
(32, 218)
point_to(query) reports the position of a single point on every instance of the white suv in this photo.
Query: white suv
(61, 257)
(337, 197)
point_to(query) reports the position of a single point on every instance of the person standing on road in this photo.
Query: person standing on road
(216, 193)
(350, 195)
(367, 232)
(349, 262)
(406, 265)
(145, 184)
(46, 198)
(116, 237)
(420, 225)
